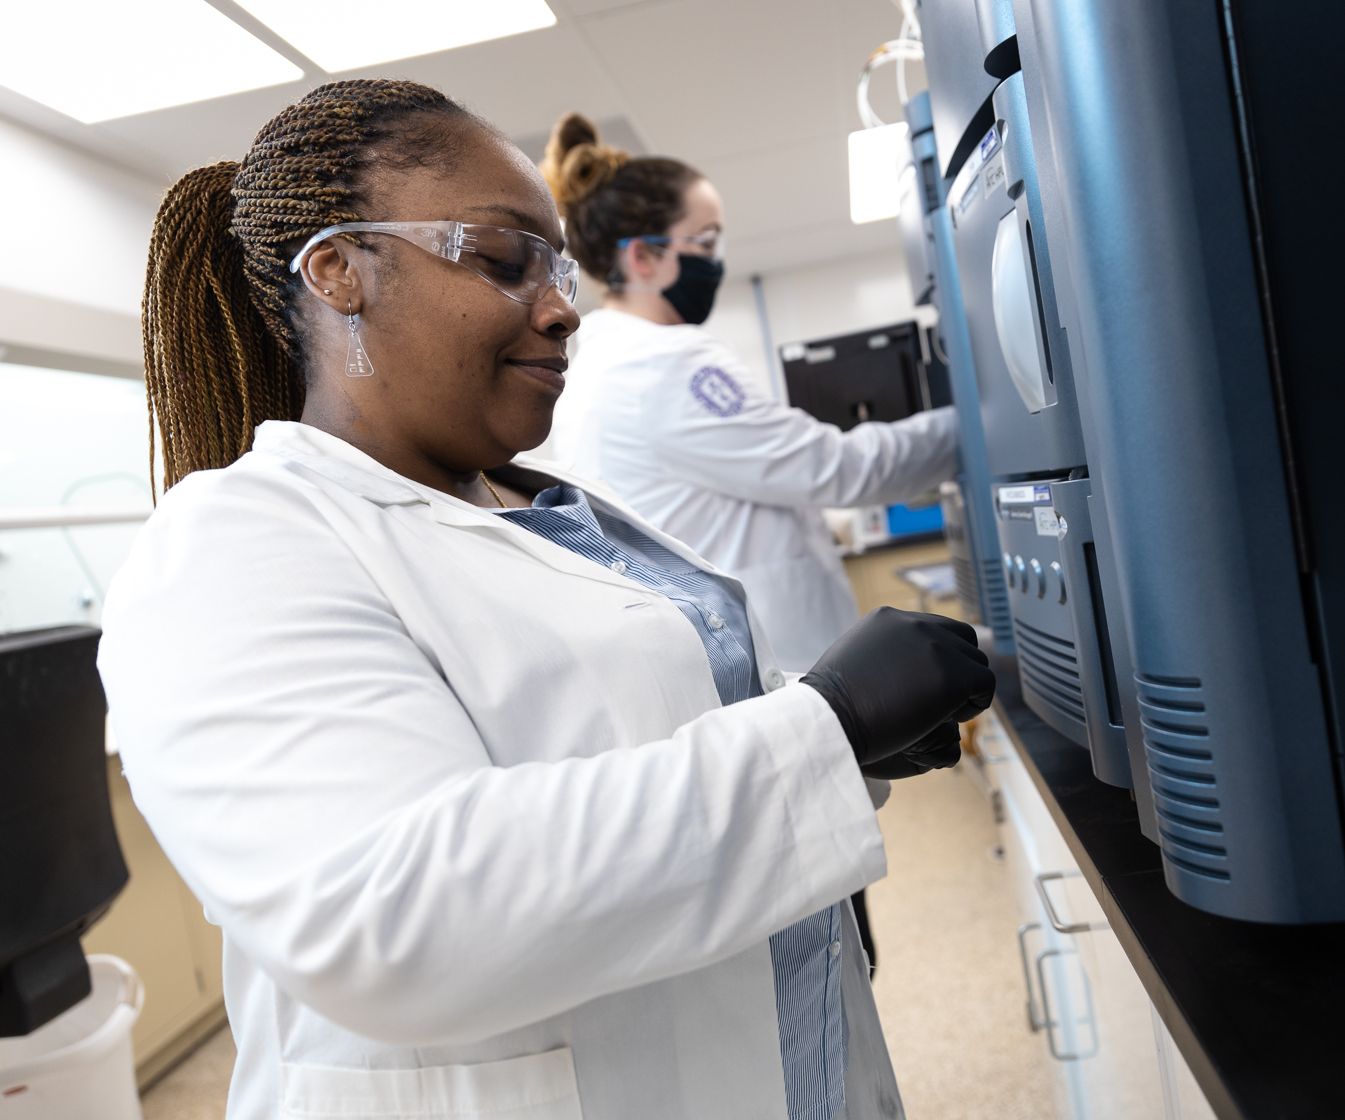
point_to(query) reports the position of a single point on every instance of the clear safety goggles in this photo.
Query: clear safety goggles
(520, 265)
(711, 242)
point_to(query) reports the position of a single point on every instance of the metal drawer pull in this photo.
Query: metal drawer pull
(1054, 918)
(1050, 1023)
(1034, 1021)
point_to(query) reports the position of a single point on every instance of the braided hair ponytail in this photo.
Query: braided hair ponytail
(223, 345)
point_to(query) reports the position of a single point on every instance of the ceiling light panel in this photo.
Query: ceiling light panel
(95, 60)
(346, 35)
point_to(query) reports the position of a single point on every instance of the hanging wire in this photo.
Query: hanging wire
(899, 51)
(906, 47)
(909, 33)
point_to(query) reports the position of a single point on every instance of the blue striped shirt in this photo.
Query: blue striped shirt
(806, 956)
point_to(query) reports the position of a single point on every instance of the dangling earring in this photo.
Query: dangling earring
(357, 361)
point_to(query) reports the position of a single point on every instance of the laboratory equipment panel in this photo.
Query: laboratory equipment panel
(970, 505)
(1183, 137)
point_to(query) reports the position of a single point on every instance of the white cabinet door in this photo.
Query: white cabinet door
(1088, 1005)
(1123, 1081)
(1060, 1098)
(1182, 1097)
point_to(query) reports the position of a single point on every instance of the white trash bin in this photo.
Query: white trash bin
(80, 1065)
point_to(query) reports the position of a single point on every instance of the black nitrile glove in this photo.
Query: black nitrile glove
(894, 678)
(941, 747)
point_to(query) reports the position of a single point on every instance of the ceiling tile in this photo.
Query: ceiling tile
(563, 8)
(701, 77)
(518, 84)
(759, 94)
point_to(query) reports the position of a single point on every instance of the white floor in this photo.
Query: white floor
(948, 985)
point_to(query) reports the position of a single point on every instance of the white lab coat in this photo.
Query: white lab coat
(480, 837)
(669, 419)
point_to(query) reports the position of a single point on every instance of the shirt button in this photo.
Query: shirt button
(773, 679)
(714, 622)
(619, 566)
(835, 948)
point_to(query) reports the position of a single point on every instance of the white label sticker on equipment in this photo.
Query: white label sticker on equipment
(1048, 524)
(1015, 495)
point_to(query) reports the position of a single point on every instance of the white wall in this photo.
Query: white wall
(72, 266)
(811, 302)
(67, 439)
(76, 228)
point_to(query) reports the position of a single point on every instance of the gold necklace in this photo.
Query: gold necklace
(482, 475)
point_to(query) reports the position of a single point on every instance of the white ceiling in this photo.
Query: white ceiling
(758, 94)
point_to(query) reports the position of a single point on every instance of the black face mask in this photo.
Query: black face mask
(692, 294)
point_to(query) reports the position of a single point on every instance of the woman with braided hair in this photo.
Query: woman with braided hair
(494, 789)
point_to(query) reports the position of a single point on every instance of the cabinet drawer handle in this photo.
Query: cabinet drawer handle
(1034, 1021)
(1051, 916)
(1050, 1024)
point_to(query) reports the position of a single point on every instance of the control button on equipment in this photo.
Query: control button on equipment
(1058, 580)
(1021, 569)
(1038, 577)
(1008, 570)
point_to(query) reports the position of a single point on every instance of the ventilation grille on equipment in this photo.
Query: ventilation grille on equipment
(1176, 734)
(997, 601)
(1049, 666)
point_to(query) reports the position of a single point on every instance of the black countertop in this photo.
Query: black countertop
(1256, 1010)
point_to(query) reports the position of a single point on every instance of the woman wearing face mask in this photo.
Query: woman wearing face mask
(667, 416)
(451, 748)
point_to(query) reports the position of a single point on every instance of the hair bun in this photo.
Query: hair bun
(576, 163)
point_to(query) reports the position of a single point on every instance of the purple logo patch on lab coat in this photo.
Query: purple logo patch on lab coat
(717, 391)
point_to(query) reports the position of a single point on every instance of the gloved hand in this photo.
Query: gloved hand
(941, 747)
(896, 678)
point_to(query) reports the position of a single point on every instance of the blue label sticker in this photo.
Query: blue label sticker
(1041, 493)
(717, 391)
(989, 142)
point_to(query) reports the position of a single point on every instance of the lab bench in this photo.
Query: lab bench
(1256, 1011)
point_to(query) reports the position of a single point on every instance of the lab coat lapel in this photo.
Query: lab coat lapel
(463, 516)
(353, 470)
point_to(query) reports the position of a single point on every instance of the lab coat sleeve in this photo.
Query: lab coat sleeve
(324, 792)
(712, 426)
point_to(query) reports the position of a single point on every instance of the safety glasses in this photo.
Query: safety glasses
(520, 265)
(711, 242)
